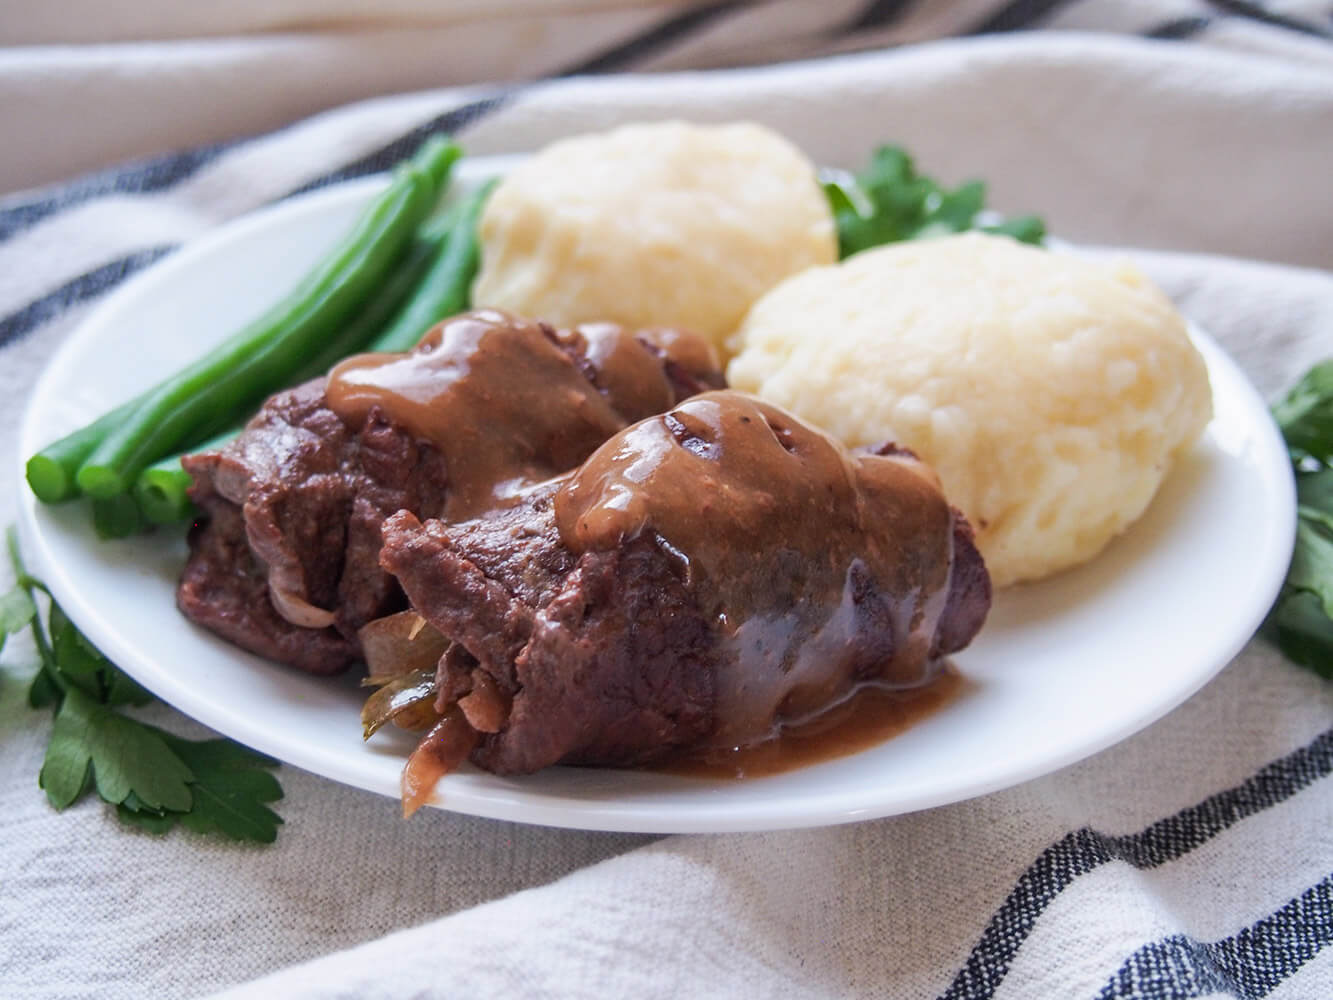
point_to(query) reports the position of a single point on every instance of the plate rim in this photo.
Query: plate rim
(532, 805)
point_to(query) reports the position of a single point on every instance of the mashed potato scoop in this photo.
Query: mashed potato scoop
(1051, 393)
(663, 224)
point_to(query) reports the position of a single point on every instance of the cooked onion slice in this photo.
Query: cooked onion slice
(298, 610)
(399, 644)
(439, 752)
(486, 707)
(408, 701)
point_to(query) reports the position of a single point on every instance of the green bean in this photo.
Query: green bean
(161, 490)
(393, 293)
(116, 517)
(435, 229)
(436, 157)
(447, 287)
(259, 359)
(51, 471)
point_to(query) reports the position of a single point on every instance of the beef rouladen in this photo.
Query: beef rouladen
(705, 577)
(285, 559)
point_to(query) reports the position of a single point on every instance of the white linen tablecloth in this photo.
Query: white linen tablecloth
(85, 83)
(1193, 859)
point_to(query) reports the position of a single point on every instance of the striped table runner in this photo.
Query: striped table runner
(1193, 860)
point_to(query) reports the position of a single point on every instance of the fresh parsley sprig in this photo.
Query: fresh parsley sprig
(1301, 621)
(889, 202)
(154, 778)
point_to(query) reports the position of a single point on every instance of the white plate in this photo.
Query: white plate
(1061, 670)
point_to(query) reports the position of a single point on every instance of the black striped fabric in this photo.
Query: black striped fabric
(624, 55)
(1082, 851)
(161, 174)
(877, 14)
(1018, 15)
(451, 122)
(155, 174)
(1249, 964)
(1264, 15)
(1179, 29)
(88, 285)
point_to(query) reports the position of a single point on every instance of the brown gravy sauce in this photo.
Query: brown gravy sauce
(510, 402)
(870, 716)
(776, 527)
(820, 569)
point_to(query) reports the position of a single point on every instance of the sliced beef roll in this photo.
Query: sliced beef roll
(704, 578)
(285, 559)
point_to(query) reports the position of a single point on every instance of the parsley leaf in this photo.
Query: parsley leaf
(122, 689)
(155, 821)
(16, 611)
(124, 756)
(44, 691)
(1024, 228)
(1302, 631)
(889, 201)
(1301, 622)
(73, 658)
(1306, 415)
(229, 790)
(156, 780)
(1312, 560)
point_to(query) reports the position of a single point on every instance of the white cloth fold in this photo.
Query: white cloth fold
(84, 84)
(898, 907)
(1160, 861)
(894, 907)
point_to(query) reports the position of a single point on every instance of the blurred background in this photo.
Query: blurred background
(88, 83)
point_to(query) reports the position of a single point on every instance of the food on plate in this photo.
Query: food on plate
(890, 201)
(706, 576)
(445, 287)
(555, 542)
(430, 284)
(669, 223)
(312, 321)
(284, 561)
(1051, 393)
(337, 309)
(1301, 622)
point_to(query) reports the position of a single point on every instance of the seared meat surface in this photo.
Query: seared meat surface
(293, 509)
(597, 659)
(705, 577)
(285, 560)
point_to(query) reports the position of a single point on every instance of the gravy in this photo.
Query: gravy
(511, 402)
(820, 569)
(870, 716)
